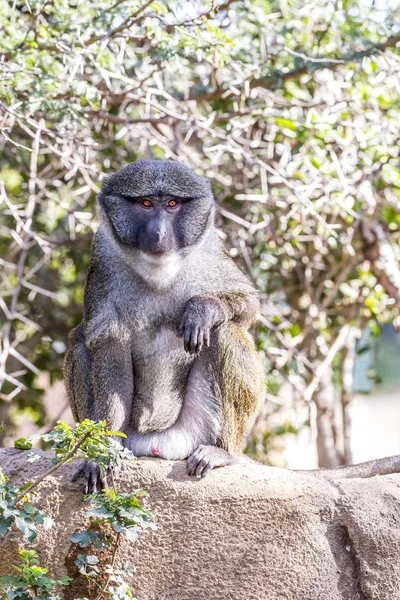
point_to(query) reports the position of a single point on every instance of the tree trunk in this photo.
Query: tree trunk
(324, 398)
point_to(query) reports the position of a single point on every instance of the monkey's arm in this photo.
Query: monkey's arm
(205, 312)
(99, 381)
(107, 340)
(111, 382)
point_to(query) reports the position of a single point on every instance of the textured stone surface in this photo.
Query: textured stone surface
(245, 532)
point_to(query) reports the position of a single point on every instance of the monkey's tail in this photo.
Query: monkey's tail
(379, 466)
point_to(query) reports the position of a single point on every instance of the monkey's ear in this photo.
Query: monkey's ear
(104, 179)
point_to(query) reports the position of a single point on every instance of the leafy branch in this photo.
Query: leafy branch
(309, 64)
(123, 513)
(32, 582)
(57, 466)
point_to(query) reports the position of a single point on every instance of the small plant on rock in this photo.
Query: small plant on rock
(32, 581)
(122, 513)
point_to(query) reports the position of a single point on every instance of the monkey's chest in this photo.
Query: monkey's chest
(160, 370)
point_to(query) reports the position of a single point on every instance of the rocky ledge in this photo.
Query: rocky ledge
(245, 532)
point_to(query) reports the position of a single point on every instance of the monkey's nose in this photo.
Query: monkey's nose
(160, 234)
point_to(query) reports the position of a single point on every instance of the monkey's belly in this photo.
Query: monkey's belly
(160, 373)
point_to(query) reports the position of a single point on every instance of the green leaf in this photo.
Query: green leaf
(22, 444)
(26, 529)
(5, 526)
(131, 534)
(82, 538)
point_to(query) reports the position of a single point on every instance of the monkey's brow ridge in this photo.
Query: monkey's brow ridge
(159, 197)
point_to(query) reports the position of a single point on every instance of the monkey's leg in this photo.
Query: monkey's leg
(77, 377)
(112, 384)
(100, 387)
(112, 381)
(223, 391)
(198, 421)
(238, 383)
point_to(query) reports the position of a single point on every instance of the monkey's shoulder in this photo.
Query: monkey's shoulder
(218, 272)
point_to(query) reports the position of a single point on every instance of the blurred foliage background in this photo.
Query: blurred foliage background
(291, 109)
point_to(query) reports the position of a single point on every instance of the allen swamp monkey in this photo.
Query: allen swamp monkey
(163, 351)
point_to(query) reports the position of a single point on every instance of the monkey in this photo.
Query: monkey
(163, 352)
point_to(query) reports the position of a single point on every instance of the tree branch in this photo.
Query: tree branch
(271, 82)
(380, 253)
(55, 467)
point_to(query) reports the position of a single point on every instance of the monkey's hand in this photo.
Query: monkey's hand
(94, 480)
(200, 316)
(206, 458)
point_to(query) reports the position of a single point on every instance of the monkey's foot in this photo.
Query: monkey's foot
(205, 458)
(94, 480)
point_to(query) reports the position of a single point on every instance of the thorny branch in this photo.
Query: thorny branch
(288, 133)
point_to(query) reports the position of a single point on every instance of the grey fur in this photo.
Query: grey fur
(150, 177)
(126, 363)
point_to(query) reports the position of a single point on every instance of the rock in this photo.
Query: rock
(246, 532)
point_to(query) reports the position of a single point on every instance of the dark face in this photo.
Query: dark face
(158, 206)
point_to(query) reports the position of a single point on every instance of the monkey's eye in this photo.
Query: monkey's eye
(147, 203)
(172, 203)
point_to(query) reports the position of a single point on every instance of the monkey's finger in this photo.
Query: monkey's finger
(201, 462)
(78, 473)
(88, 483)
(195, 457)
(207, 338)
(191, 464)
(186, 341)
(199, 470)
(179, 333)
(193, 341)
(93, 479)
(193, 460)
(200, 339)
(206, 469)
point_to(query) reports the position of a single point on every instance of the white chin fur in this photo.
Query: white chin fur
(159, 270)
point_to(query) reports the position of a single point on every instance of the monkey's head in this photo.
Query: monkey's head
(158, 206)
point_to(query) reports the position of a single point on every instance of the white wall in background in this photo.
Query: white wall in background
(375, 425)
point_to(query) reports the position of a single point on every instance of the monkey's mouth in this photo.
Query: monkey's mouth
(157, 256)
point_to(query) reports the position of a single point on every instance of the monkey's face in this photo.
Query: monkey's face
(159, 207)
